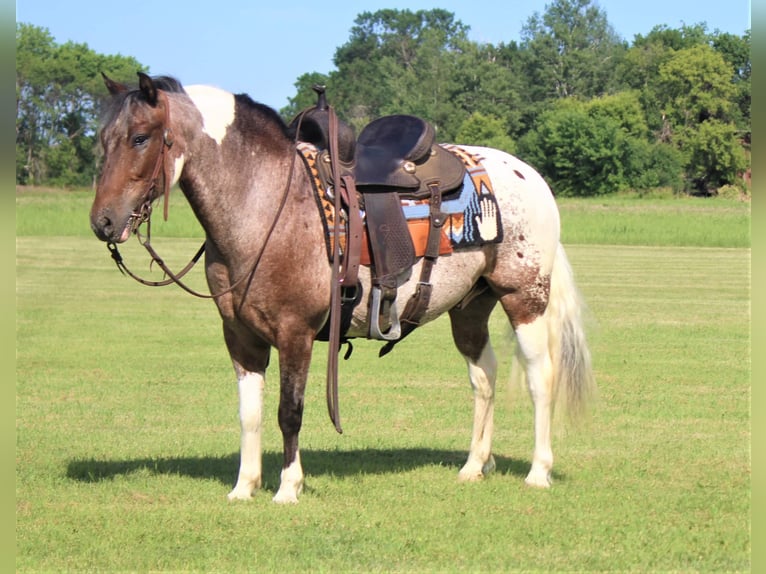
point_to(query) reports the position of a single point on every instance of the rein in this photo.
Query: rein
(145, 213)
(348, 275)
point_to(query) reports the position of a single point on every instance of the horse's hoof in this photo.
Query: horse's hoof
(467, 474)
(538, 481)
(234, 495)
(285, 498)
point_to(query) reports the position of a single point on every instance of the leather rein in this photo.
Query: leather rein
(144, 216)
(339, 276)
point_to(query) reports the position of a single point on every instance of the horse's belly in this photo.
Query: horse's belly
(452, 278)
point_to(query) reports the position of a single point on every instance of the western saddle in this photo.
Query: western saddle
(395, 157)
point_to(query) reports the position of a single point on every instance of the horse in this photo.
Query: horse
(235, 161)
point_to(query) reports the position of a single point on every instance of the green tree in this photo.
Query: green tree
(399, 61)
(489, 81)
(715, 156)
(639, 69)
(695, 85)
(571, 50)
(488, 131)
(579, 153)
(304, 94)
(735, 50)
(59, 94)
(698, 99)
(600, 146)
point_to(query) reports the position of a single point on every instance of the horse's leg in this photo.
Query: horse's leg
(471, 336)
(250, 369)
(532, 339)
(530, 325)
(294, 360)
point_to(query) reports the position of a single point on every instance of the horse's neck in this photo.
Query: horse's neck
(235, 193)
(236, 165)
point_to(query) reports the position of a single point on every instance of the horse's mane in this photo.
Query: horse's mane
(172, 85)
(168, 84)
(113, 105)
(266, 112)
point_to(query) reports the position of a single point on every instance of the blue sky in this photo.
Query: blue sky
(261, 48)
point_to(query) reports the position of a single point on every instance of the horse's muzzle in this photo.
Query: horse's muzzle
(105, 229)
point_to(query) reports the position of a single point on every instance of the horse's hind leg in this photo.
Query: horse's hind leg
(532, 339)
(533, 352)
(471, 336)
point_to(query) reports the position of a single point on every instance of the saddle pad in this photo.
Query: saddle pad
(473, 217)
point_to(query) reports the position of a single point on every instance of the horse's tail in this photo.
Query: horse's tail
(567, 344)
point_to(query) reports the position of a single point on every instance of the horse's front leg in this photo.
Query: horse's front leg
(250, 417)
(250, 368)
(294, 361)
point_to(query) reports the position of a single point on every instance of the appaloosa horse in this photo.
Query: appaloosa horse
(236, 162)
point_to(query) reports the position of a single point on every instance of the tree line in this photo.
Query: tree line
(593, 113)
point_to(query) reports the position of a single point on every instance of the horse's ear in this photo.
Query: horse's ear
(147, 87)
(113, 87)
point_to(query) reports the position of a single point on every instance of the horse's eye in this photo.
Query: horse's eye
(139, 140)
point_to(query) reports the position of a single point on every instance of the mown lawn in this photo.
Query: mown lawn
(127, 432)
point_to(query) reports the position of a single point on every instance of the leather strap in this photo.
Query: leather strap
(333, 346)
(418, 304)
(353, 254)
(145, 216)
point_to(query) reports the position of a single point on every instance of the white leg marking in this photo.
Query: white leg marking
(216, 107)
(291, 483)
(250, 417)
(533, 342)
(483, 375)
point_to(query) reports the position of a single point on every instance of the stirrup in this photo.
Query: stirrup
(395, 331)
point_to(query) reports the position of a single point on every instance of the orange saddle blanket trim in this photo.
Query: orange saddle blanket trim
(419, 232)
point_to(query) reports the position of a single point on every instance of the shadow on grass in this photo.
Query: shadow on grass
(315, 463)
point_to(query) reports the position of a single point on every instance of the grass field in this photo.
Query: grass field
(127, 432)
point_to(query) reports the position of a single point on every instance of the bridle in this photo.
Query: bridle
(144, 213)
(144, 216)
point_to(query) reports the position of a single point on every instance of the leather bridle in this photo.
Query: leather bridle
(144, 216)
(345, 276)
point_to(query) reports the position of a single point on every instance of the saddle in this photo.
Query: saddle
(394, 158)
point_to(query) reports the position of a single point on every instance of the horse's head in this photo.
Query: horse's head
(136, 169)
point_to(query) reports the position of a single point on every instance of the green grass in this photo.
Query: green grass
(50, 212)
(127, 433)
(620, 219)
(679, 221)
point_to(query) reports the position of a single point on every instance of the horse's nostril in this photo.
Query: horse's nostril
(104, 223)
(102, 226)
